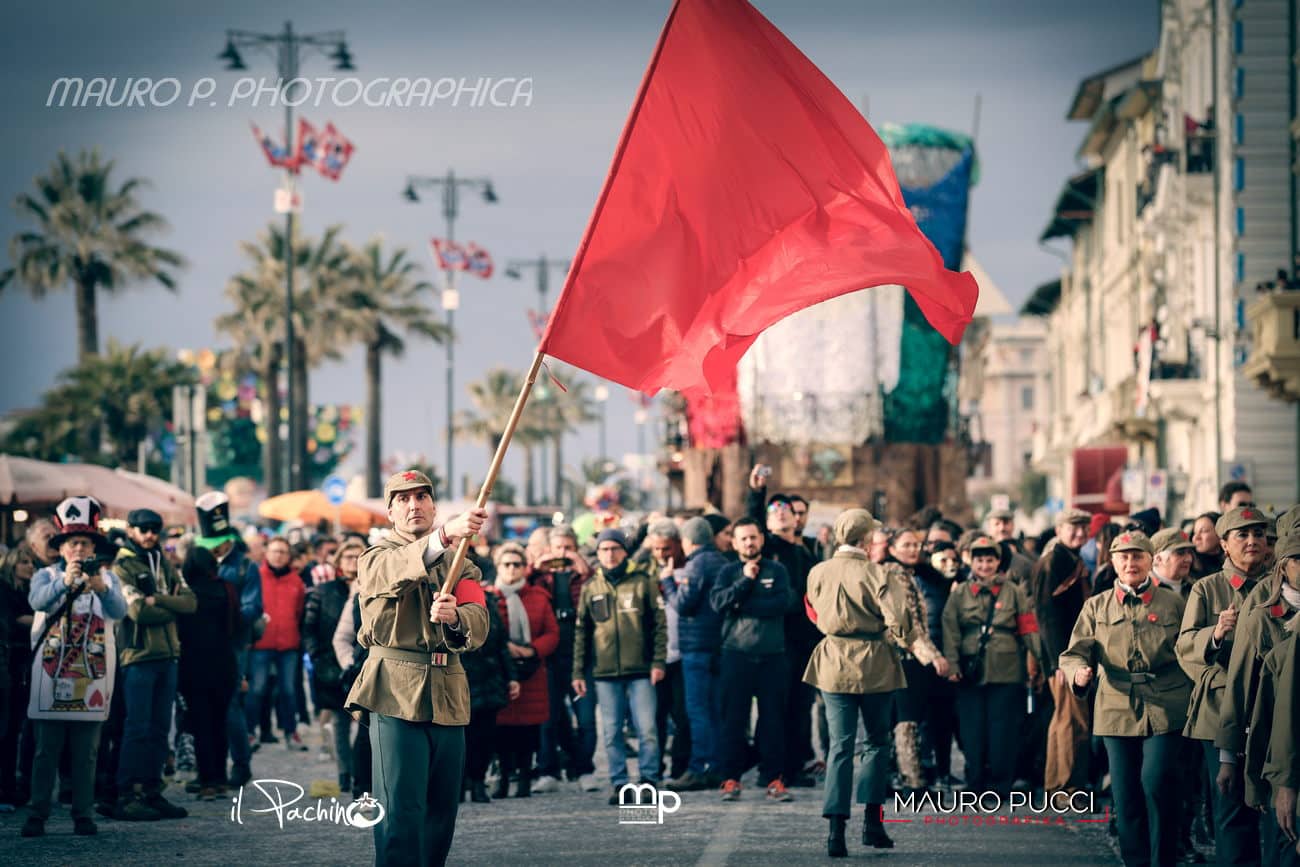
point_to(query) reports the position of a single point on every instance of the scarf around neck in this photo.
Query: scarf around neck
(516, 614)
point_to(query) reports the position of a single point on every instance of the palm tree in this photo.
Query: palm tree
(380, 299)
(89, 233)
(493, 398)
(102, 409)
(561, 412)
(257, 325)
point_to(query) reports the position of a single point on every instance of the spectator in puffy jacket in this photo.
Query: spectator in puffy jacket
(283, 604)
(699, 635)
(326, 602)
(532, 636)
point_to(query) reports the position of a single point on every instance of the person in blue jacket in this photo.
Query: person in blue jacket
(699, 635)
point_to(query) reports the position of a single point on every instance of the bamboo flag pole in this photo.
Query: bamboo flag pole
(462, 547)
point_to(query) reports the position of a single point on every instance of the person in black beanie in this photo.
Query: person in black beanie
(208, 672)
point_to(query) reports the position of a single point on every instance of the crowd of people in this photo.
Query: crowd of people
(1096, 655)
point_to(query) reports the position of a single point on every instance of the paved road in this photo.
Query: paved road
(567, 827)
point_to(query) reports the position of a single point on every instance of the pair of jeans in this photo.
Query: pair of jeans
(1236, 826)
(744, 678)
(703, 708)
(990, 717)
(1142, 778)
(799, 697)
(149, 694)
(480, 741)
(842, 712)
(285, 663)
(618, 699)
(558, 734)
(236, 721)
(417, 769)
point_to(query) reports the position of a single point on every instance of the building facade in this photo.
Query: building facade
(1184, 209)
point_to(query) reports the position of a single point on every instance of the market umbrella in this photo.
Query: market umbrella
(311, 507)
(28, 482)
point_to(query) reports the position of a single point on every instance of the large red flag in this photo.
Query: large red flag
(745, 187)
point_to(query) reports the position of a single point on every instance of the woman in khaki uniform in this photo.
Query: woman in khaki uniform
(863, 616)
(990, 626)
(1249, 710)
(1128, 635)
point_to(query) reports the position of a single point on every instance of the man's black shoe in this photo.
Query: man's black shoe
(34, 827)
(84, 826)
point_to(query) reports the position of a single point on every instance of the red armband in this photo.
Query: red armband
(807, 607)
(1026, 624)
(468, 591)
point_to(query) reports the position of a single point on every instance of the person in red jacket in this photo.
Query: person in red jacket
(534, 635)
(284, 597)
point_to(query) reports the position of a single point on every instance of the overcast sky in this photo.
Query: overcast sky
(920, 61)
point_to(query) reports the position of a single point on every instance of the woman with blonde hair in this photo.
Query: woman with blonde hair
(16, 570)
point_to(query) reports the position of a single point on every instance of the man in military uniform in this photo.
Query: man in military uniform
(1205, 651)
(413, 682)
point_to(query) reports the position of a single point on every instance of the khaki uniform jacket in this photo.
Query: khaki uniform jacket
(1015, 629)
(1116, 637)
(860, 610)
(1272, 757)
(633, 636)
(1206, 666)
(1258, 631)
(396, 591)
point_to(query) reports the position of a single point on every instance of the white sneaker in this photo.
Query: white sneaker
(589, 783)
(545, 784)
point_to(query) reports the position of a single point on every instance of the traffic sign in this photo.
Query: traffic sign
(335, 488)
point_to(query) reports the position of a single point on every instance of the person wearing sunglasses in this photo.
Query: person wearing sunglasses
(150, 649)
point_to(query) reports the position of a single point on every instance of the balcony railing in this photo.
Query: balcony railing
(1274, 360)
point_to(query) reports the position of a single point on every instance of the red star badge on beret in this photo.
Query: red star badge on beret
(1126, 538)
(408, 476)
(1151, 617)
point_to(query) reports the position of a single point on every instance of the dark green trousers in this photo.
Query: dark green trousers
(417, 773)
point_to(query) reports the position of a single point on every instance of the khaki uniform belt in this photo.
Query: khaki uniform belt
(419, 657)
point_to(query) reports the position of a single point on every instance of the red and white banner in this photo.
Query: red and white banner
(470, 257)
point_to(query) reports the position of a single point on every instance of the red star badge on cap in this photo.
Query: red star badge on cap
(1151, 617)
(409, 476)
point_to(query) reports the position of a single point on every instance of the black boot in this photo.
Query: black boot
(478, 792)
(836, 847)
(873, 830)
(502, 789)
(525, 787)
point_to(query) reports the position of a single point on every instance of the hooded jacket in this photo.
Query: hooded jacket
(148, 632)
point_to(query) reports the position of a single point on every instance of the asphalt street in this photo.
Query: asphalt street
(566, 827)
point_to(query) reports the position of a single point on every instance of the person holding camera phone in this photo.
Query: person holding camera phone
(560, 570)
(75, 599)
(990, 627)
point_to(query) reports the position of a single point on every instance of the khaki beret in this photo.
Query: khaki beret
(1170, 539)
(1073, 516)
(1240, 517)
(1131, 540)
(408, 480)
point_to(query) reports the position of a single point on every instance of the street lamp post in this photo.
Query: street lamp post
(602, 397)
(515, 269)
(642, 416)
(288, 47)
(450, 186)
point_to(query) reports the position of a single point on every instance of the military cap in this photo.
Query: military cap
(1131, 540)
(1170, 539)
(855, 525)
(1289, 546)
(1073, 516)
(407, 480)
(1240, 517)
(1002, 515)
(1289, 521)
(983, 543)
